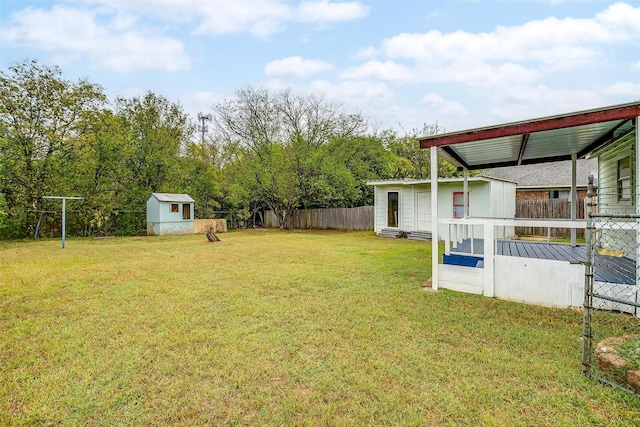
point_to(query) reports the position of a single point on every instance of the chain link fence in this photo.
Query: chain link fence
(611, 333)
(80, 223)
(87, 223)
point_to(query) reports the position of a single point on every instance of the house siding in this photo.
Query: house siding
(407, 209)
(483, 198)
(608, 176)
(500, 193)
(379, 208)
(608, 192)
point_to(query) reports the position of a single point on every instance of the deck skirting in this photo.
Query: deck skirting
(461, 279)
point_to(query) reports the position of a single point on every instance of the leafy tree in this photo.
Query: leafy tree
(3, 206)
(41, 115)
(3, 213)
(99, 170)
(285, 147)
(409, 160)
(201, 177)
(355, 161)
(156, 130)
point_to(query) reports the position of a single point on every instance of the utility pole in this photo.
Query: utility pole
(203, 128)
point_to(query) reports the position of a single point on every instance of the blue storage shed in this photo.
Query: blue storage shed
(169, 214)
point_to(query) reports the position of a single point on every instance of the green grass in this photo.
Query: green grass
(277, 328)
(630, 351)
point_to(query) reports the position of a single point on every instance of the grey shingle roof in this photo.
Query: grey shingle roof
(546, 175)
(169, 197)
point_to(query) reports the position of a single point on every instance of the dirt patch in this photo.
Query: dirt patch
(428, 285)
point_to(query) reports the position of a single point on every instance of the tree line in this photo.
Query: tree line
(280, 151)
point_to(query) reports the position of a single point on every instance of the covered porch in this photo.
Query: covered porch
(544, 274)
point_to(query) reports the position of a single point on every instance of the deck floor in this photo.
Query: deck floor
(606, 269)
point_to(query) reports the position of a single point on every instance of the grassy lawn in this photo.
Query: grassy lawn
(277, 328)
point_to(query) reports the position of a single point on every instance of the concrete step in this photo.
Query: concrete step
(424, 236)
(390, 233)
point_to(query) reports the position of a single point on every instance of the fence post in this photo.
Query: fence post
(588, 287)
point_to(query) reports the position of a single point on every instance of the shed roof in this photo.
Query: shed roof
(547, 175)
(540, 140)
(169, 197)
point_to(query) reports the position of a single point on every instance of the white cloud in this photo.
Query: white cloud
(546, 42)
(470, 74)
(387, 70)
(324, 11)
(261, 18)
(437, 102)
(296, 66)
(622, 19)
(519, 103)
(626, 90)
(520, 55)
(199, 102)
(483, 75)
(353, 92)
(120, 44)
(635, 66)
(367, 53)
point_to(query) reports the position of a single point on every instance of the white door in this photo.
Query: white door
(424, 211)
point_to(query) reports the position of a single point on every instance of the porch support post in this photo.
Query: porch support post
(434, 218)
(64, 216)
(574, 195)
(489, 256)
(465, 201)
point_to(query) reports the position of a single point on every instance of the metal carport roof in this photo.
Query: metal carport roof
(536, 141)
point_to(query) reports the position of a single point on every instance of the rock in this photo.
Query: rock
(608, 360)
(633, 380)
(607, 357)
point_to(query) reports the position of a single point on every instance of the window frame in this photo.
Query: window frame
(624, 192)
(460, 195)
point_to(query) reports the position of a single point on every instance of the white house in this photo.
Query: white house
(546, 274)
(169, 214)
(404, 205)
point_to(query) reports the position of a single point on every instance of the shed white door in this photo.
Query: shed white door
(424, 210)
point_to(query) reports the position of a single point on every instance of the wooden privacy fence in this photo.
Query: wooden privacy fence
(550, 209)
(350, 219)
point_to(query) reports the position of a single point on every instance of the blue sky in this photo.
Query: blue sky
(400, 63)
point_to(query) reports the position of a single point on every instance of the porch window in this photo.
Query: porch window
(458, 204)
(392, 209)
(186, 211)
(174, 207)
(624, 179)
